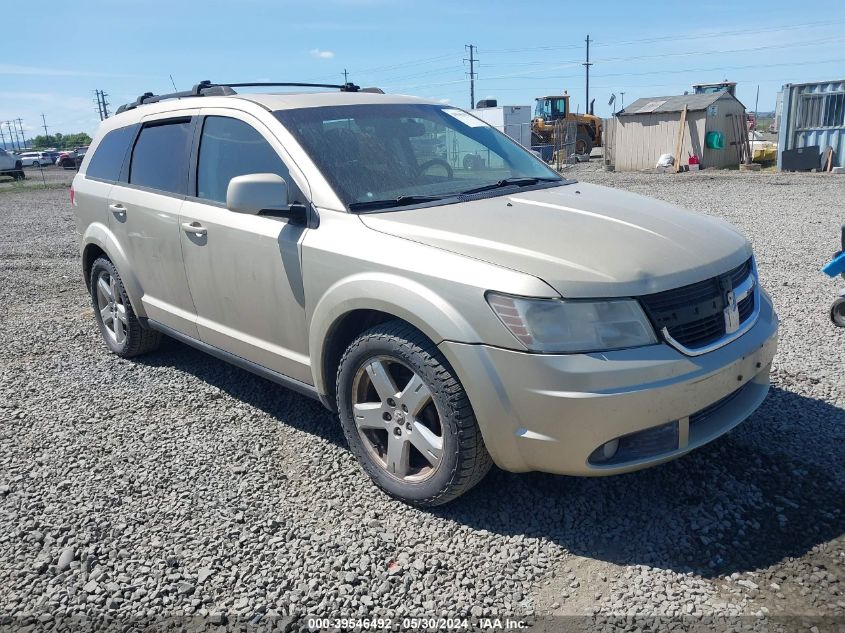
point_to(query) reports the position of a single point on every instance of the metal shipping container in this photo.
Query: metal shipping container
(813, 115)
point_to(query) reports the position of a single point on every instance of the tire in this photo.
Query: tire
(837, 312)
(121, 330)
(583, 143)
(434, 413)
(36, 164)
(18, 174)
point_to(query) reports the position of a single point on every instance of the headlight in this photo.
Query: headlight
(554, 325)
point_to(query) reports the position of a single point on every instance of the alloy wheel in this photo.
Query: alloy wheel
(111, 307)
(397, 419)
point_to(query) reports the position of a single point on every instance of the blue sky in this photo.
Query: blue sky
(54, 54)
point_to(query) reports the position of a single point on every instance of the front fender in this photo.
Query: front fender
(98, 234)
(406, 299)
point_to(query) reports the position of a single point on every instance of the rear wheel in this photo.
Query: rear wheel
(407, 418)
(121, 330)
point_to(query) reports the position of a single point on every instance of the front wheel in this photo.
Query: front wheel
(837, 312)
(583, 143)
(407, 418)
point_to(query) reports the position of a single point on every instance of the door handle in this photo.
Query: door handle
(117, 208)
(194, 227)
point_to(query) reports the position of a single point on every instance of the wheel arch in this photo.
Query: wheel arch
(354, 305)
(98, 241)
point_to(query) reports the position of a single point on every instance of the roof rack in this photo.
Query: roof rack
(207, 89)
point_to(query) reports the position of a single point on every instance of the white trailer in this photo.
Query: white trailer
(515, 121)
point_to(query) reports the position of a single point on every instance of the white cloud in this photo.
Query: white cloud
(320, 54)
(443, 100)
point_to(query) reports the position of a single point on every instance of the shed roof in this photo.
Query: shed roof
(650, 105)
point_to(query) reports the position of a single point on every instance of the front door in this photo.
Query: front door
(244, 271)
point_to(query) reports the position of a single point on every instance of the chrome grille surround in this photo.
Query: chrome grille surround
(704, 316)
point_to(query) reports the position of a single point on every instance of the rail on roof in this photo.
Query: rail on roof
(207, 89)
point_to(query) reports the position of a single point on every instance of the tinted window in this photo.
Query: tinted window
(108, 159)
(160, 157)
(230, 148)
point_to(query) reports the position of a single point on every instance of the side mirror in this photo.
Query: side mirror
(263, 193)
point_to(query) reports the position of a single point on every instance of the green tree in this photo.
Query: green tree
(62, 141)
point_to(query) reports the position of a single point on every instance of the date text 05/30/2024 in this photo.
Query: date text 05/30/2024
(422, 624)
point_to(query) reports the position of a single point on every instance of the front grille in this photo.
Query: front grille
(694, 314)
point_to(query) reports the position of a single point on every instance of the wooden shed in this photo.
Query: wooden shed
(649, 127)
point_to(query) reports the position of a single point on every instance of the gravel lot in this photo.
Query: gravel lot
(177, 485)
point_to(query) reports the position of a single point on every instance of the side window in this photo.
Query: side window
(160, 157)
(230, 148)
(108, 158)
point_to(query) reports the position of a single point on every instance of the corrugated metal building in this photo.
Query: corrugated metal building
(813, 115)
(649, 127)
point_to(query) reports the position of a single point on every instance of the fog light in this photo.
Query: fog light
(608, 450)
(642, 444)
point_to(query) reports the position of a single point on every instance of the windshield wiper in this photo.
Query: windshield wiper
(401, 201)
(521, 181)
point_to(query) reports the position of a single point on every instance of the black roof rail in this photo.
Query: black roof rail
(207, 89)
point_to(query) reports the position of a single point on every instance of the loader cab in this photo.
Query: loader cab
(552, 108)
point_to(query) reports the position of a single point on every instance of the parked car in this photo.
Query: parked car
(10, 165)
(33, 159)
(71, 159)
(453, 317)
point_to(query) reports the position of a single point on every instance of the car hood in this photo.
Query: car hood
(583, 240)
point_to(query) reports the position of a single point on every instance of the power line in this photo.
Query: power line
(679, 71)
(663, 38)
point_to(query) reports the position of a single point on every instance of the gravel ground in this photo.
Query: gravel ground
(177, 486)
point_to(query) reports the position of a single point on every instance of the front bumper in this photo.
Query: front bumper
(551, 412)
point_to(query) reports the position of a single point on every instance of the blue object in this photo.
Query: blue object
(836, 266)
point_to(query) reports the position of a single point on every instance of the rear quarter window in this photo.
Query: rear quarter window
(107, 160)
(161, 154)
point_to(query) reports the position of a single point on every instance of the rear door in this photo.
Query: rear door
(244, 271)
(144, 216)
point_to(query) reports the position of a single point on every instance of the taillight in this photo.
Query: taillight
(72, 197)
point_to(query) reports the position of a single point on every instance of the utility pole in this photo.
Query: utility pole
(44, 121)
(622, 107)
(23, 137)
(756, 103)
(102, 104)
(472, 59)
(345, 76)
(99, 105)
(14, 130)
(587, 65)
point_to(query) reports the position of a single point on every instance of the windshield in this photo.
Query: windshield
(408, 152)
